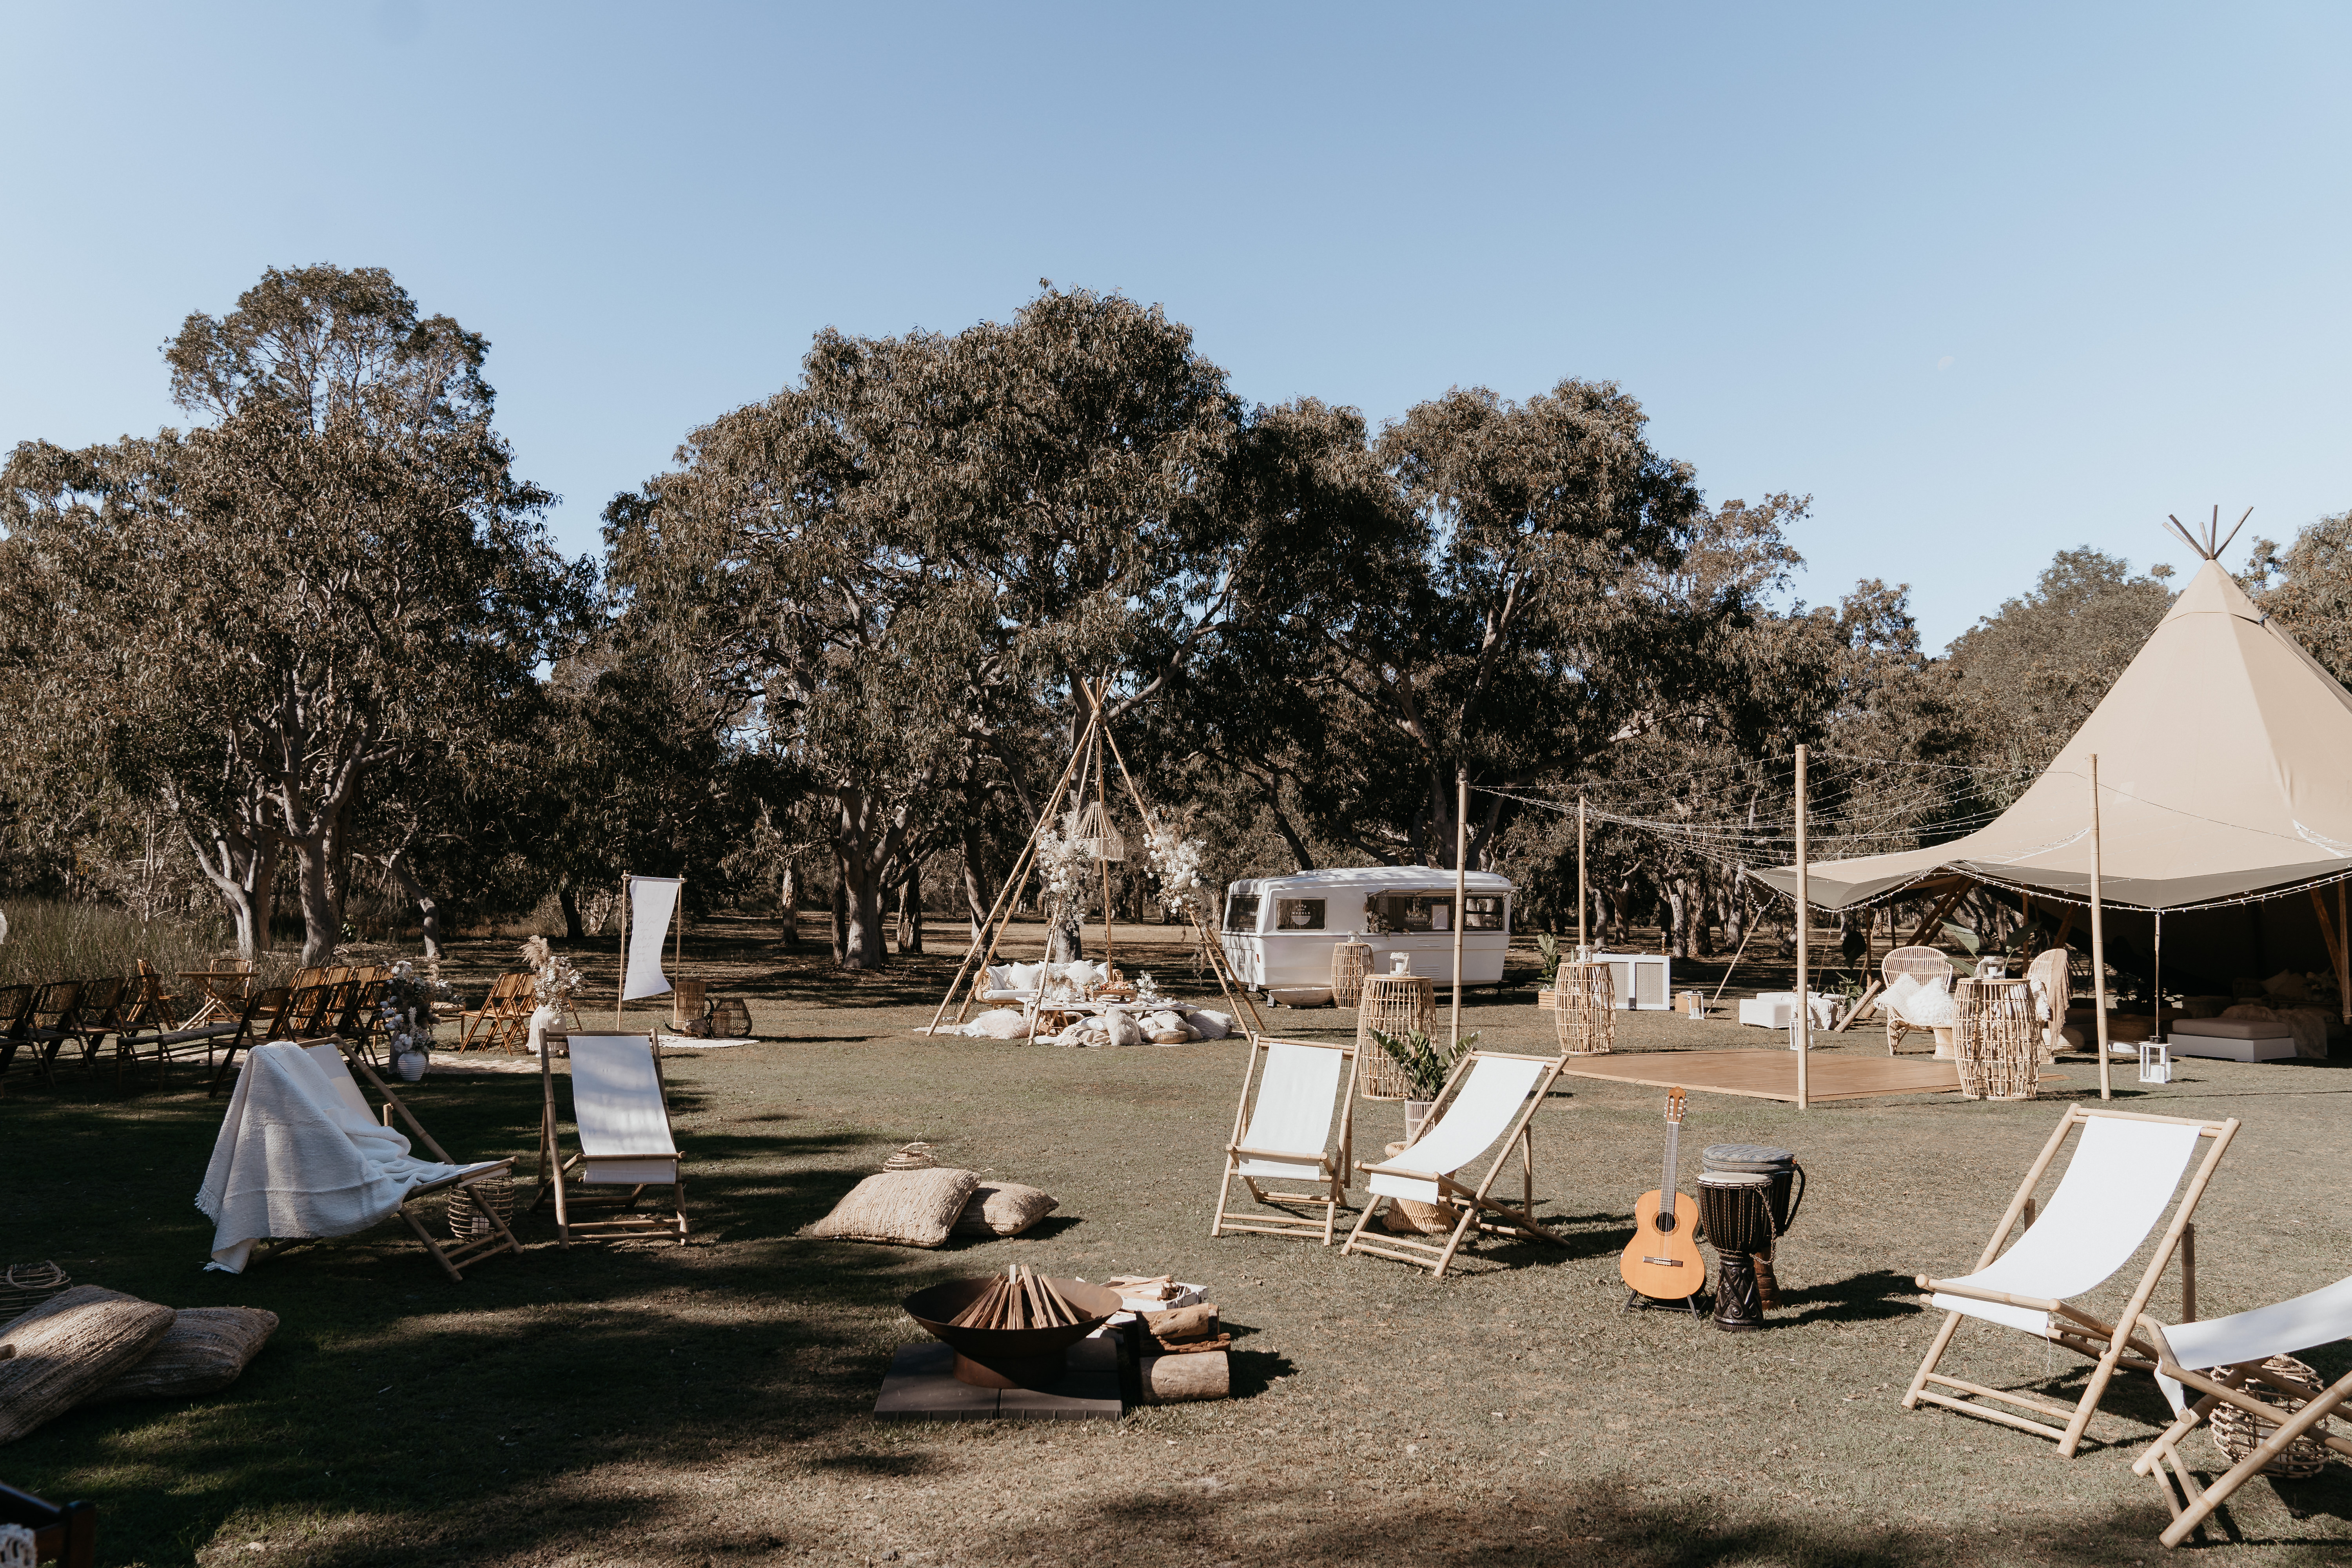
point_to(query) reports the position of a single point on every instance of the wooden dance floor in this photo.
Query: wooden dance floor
(1771, 1073)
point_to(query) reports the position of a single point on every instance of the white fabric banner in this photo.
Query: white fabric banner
(651, 901)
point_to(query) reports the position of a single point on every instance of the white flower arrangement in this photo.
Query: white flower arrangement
(1176, 862)
(406, 1011)
(552, 978)
(1062, 866)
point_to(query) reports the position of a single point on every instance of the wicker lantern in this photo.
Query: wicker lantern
(1091, 829)
(1584, 1010)
(1394, 1004)
(1351, 961)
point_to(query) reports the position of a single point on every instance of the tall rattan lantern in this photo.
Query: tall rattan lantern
(1584, 1010)
(1394, 1004)
(1350, 963)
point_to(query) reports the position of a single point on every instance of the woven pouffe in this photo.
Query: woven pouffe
(471, 1206)
(1351, 961)
(1995, 1048)
(1408, 1216)
(1394, 1004)
(686, 1006)
(1584, 1010)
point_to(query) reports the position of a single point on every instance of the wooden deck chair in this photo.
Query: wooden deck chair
(2223, 1359)
(51, 1022)
(223, 992)
(1924, 964)
(620, 1111)
(1288, 1138)
(2119, 1184)
(263, 1016)
(1488, 1102)
(340, 1059)
(15, 1024)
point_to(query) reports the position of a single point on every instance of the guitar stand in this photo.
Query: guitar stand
(1637, 1302)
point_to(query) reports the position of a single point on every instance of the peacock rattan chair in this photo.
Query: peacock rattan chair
(1924, 964)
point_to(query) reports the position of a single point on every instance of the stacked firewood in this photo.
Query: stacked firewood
(1187, 1331)
(1020, 1298)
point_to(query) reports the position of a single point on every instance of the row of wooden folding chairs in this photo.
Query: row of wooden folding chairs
(502, 1023)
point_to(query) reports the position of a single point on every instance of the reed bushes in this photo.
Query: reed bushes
(60, 938)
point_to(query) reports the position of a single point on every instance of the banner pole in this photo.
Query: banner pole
(1804, 1036)
(622, 984)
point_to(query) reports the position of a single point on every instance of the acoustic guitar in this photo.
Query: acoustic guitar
(1662, 1261)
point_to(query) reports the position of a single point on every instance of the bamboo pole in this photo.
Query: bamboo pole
(622, 982)
(1804, 893)
(1583, 938)
(1461, 888)
(2098, 945)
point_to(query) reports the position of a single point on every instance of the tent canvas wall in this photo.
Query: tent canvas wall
(2225, 767)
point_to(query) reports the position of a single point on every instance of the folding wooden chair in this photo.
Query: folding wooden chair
(51, 1022)
(2233, 1352)
(15, 1024)
(1288, 1137)
(2119, 1184)
(1488, 1102)
(620, 1112)
(489, 1021)
(263, 1016)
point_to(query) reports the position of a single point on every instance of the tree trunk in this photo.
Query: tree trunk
(567, 898)
(428, 907)
(321, 932)
(975, 895)
(910, 912)
(839, 910)
(1677, 932)
(243, 870)
(788, 895)
(867, 941)
(1066, 939)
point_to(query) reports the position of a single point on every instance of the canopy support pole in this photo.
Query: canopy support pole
(1583, 941)
(1803, 1040)
(2098, 945)
(1461, 888)
(2334, 931)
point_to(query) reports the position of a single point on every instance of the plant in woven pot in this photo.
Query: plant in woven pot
(1425, 1066)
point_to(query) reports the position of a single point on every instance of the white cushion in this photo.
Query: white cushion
(1903, 988)
(1931, 1006)
(1023, 977)
(1081, 972)
(1003, 1024)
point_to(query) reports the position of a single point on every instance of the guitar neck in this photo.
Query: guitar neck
(1673, 1152)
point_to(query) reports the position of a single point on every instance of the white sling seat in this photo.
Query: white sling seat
(1487, 1104)
(2222, 1361)
(2118, 1186)
(1288, 1138)
(623, 1118)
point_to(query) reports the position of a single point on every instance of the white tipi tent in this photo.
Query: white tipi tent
(2225, 773)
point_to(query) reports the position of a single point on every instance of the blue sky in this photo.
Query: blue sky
(1984, 282)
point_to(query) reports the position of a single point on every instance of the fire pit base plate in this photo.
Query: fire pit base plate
(922, 1386)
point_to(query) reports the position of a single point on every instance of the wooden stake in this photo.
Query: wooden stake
(1804, 907)
(1461, 886)
(2098, 943)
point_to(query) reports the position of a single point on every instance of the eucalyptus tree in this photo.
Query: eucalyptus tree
(2308, 586)
(909, 559)
(250, 619)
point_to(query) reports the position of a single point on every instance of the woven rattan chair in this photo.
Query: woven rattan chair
(2051, 979)
(1921, 963)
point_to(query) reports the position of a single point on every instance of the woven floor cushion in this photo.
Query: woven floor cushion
(900, 1208)
(1002, 1208)
(69, 1346)
(202, 1352)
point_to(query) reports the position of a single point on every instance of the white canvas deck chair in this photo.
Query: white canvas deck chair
(1288, 1138)
(2119, 1184)
(1488, 1102)
(2230, 1352)
(622, 1114)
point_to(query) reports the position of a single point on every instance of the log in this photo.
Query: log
(1177, 1379)
(1185, 1323)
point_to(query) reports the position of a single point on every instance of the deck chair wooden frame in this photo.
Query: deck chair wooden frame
(2068, 1325)
(617, 1218)
(2243, 1385)
(1325, 1172)
(1481, 1213)
(1920, 964)
(454, 1256)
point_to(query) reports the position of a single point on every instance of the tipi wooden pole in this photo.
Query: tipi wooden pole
(1583, 939)
(1101, 786)
(988, 928)
(1235, 993)
(1804, 1039)
(1461, 886)
(2098, 944)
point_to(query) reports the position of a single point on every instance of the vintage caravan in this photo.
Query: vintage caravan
(1278, 932)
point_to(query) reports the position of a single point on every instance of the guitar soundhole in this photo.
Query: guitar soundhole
(1665, 1223)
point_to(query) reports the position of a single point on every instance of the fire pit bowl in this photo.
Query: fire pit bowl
(1008, 1358)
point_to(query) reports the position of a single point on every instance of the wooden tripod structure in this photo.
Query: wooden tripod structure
(982, 947)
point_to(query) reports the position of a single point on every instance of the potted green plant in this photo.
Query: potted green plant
(1425, 1066)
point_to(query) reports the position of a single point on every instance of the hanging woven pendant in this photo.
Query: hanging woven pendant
(1096, 834)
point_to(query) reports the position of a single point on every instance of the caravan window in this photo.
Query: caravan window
(1298, 914)
(1416, 911)
(1241, 912)
(1482, 914)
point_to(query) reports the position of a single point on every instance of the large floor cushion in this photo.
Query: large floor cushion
(902, 1208)
(67, 1348)
(2232, 1028)
(202, 1352)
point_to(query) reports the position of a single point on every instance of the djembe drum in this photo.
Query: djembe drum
(1735, 1208)
(1784, 1195)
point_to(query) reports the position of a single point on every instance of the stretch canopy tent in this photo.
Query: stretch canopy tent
(2225, 774)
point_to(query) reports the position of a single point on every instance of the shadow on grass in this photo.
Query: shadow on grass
(1874, 1297)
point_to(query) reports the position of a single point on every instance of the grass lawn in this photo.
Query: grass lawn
(708, 1404)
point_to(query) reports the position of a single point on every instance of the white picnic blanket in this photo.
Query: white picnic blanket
(298, 1155)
